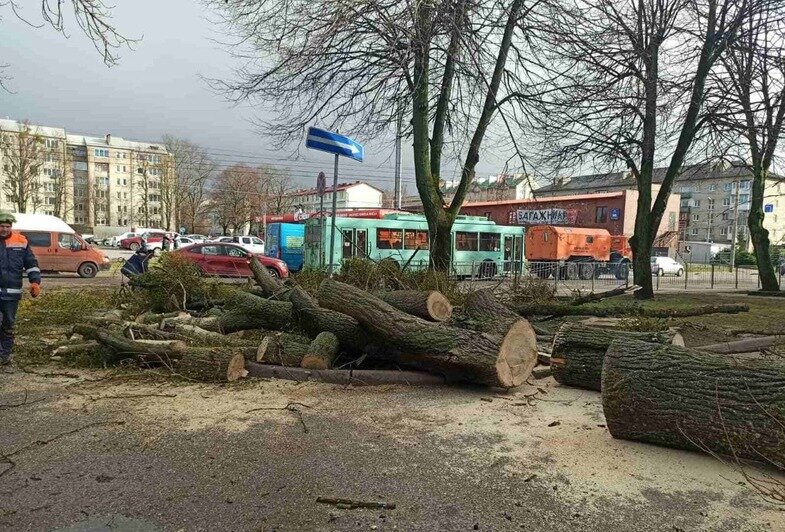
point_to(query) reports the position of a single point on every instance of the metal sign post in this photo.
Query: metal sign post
(320, 139)
(320, 186)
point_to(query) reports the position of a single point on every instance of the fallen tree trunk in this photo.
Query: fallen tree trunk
(243, 311)
(313, 320)
(152, 317)
(460, 353)
(747, 345)
(282, 349)
(211, 365)
(689, 399)
(139, 331)
(578, 352)
(271, 287)
(322, 351)
(204, 336)
(428, 305)
(558, 309)
(145, 350)
(364, 377)
(592, 297)
(75, 349)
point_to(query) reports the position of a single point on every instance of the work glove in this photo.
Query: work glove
(35, 289)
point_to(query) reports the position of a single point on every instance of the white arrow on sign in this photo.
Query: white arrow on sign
(351, 147)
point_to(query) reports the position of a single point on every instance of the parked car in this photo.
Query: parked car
(154, 240)
(57, 246)
(251, 243)
(229, 260)
(115, 240)
(666, 266)
(197, 238)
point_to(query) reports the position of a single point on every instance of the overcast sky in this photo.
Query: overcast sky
(155, 89)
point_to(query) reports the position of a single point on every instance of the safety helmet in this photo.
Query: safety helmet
(7, 218)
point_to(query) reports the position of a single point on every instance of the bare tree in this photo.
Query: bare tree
(167, 185)
(23, 156)
(629, 89)
(750, 111)
(274, 188)
(93, 18)
(358, 65)
(62, 182)
(193, 169)
(232, 196)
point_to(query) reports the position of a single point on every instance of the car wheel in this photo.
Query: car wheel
(660, 272)
(680, 272)
(134, 246)
(273, 272)
(87, 270)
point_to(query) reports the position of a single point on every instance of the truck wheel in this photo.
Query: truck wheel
(571, 271)
(586, 271)
(134, 246)
(87, 270)
(622, 271)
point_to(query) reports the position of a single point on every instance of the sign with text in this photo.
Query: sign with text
(546, 216)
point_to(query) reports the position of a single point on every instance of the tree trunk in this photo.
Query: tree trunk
(428, 305)
(322, 351)
(211, 365)
(247, 311)
(462, 354)
(578, 352)
(677, 397)
(641, 265)
(152, 351)
(354, 377)
(748, 345)
(270, 286)
(441, 242)
(760, 236)
(203, 336)
(75, 349)
(282, 349)
(314, 320)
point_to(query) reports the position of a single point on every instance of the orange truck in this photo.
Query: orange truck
(576, 252)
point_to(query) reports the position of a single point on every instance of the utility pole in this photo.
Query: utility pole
(737, 184)
(398, 135)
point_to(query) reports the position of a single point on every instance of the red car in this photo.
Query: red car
(229, 260)
(135, 242)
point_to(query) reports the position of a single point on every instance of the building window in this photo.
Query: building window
(99, 152)
(710, 203)
(725, 216)
(726, 202)
(52, 143)
(745, 185)
(744, 198)
(696, 217)
(694, 231)
(712, 187)
(601, 215)
(696, 203)
(685, 190)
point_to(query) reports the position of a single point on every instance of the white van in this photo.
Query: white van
(58, 247)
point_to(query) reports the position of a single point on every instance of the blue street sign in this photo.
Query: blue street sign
(319, 139)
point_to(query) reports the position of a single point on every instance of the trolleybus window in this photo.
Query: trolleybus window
(415, 239)
(389, 238)
(313, 234)
(490, 242)
(465, 241)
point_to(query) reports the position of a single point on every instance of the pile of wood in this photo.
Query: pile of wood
(305, 337)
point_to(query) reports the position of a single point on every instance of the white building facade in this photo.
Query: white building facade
(355, 196)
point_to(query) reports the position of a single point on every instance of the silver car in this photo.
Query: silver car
(666, 266)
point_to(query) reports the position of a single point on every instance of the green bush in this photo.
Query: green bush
(170, 284)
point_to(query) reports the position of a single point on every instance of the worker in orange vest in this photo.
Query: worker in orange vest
(16, 260)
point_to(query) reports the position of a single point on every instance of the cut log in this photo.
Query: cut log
(75, 349)
(428, 305)
(321, 352)
(689, 399)
(271, 287)
(282, 349)
(559, 309)
(211, 365)
(152, 317)
(314, 320)
(146, 350)
(244, 311)
(365, 377)
(203, 336)
(578, 352)
(139, 331)
(747, 345)
(459, 353)
(592, 297)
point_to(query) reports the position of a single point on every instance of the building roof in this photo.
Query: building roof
(116, 142)
(16, 126)
(547, 199)
(720, 170)
(341, 186)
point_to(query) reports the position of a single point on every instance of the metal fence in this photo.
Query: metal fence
(598, 276)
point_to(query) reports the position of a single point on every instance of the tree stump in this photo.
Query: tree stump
(688, 399)
(460, 353)
(428, 305)
(578, 352)
(322, 351)
(282, 349)
(211, 365)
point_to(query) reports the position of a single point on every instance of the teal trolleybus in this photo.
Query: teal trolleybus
(479, 247)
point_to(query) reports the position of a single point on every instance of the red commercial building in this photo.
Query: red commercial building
(614, 211)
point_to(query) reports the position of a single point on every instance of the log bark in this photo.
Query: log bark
(152, 317)
(365, 377)
(282, 349)
(689, 399)
(75, 349)
(592, 297)
(578, 352)
(271, 287)
(558, 309)
(211, 365)
(314, 320)
(428, 305)
(139, 331)
(322, 351)
(203, 336)
(150, 351)
(459, 353)
(247, 311)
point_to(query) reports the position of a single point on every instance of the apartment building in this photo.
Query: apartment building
(712, 196)
(86, 180)
(357, 195)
